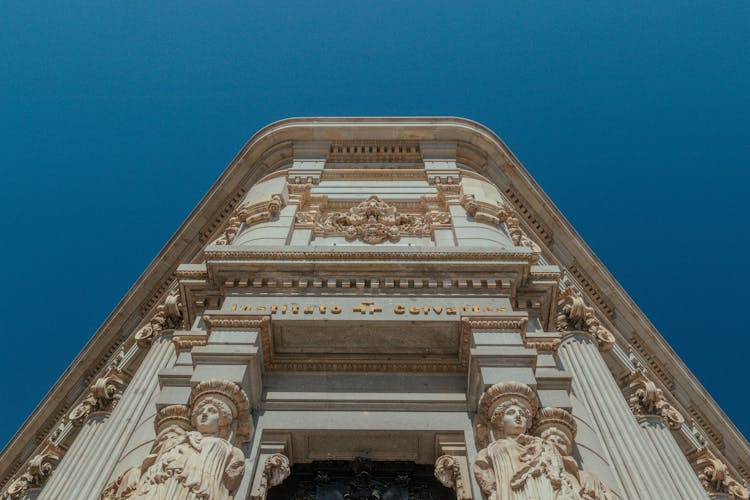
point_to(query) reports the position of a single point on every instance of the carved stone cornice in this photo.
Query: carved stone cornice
(343, 254)
(645, 399)
(275, 470)
(103, 395)
(448, 472)
(167, 316)
(715, 476)
(37, 472)
(573, 315)
(249, 214)
(496, 214)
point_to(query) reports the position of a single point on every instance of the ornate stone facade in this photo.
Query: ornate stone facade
(355, 307)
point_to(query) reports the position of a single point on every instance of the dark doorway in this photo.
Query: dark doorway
(361, 479)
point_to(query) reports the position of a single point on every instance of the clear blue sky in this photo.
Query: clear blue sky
(118, 117)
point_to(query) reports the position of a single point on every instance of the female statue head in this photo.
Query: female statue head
(508, 407)
(216, 405)
(557, 427)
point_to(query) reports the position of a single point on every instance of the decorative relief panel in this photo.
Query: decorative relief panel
(715, 476)
(647, 399)
(373, 221)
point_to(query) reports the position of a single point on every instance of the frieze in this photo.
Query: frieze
(343, 254)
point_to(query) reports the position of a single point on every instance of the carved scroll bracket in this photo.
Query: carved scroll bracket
(273, 466)
(573, 315)
(167, 316)
(249, 214)
(37, 472)
(103, 395)
(452, 466)
(715, 477)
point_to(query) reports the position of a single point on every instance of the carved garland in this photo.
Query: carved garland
(575, 316)
(647, 399)
(373, 221)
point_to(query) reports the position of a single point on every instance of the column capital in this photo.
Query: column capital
(575, 317)
(40, 467)
(715, 477)
(167, 316)
(103, 395)
(646, 399)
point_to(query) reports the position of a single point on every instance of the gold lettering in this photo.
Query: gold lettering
(426, 309)
(500, 309)
(374, 309)
(273, 308)
(464, 309)
(475, 308)
(437, 309)
(450, 310)
(295, 308)
(399, 309)
(283, 309)
(309, 309)
(234, 307)
(322, 309)
(247, 308)
(335, 309)
(488, 309)
(414, 310)
(260, 308)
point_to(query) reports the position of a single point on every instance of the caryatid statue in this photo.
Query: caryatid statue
(516, 465)
(196, 459)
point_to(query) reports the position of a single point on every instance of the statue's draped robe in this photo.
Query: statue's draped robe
(525, 468)
(201, 467)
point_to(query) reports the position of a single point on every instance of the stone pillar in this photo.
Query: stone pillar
(679, 471)
(639, 470)
(658, 418)
(102, 445)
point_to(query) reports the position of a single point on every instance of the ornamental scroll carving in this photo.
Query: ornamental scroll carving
(193, 456)
(249, 214)
(102, 396)
(37, 472)
(498, 214)
(647, 399)
(715, 477)
(168, 315)
(538, 466)
(574, 315)
(373, 221)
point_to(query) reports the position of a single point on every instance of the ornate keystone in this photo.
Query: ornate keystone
(574, 315)
(647, 399)
(448, 472)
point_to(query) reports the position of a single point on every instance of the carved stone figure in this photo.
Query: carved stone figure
(186, 464)
(516, 465)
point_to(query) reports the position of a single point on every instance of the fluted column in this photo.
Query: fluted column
(634, 461)
(679, 471)
(85, 479)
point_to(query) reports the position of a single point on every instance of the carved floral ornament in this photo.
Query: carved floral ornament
(575, 316)
(448, 472)
(167, 316)
(498, 214)
(193, 456)
(37, 472)
(373, 221)
(516, 464)
(275, 470)
(647, 399)
(249, 214)
(715, 477)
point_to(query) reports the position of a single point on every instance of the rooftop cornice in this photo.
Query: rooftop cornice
(269, 149)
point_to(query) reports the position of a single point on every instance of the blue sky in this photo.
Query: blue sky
(118, 117)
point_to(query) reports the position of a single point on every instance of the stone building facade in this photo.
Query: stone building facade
(378, 308)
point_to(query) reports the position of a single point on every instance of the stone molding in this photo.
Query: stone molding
(214, 253)
(645, 398)
(715, 476)
(37, 472)
(573, 315)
